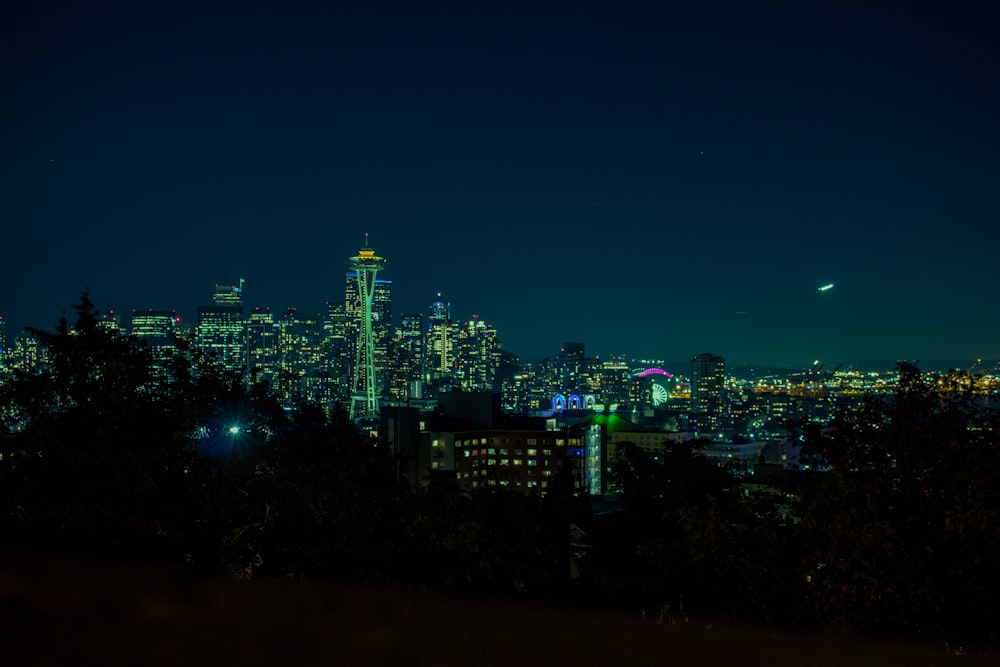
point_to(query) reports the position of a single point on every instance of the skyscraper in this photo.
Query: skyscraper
(409, 365)
(708, 374)
(158, 329)
(478, 356)
(262, 345)
(442, 335)
(220, 327)
(300, 345)
(338, 346)
(364, 398)
(440, 310)
(228, 295)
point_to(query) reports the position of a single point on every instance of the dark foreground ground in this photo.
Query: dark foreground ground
(61, 610)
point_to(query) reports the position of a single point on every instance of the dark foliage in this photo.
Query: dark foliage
(902, 524)
(896, 533)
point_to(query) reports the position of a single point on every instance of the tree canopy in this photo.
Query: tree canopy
(893, 529)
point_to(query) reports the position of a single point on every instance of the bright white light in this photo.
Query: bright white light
(826, 287)
(234, 429)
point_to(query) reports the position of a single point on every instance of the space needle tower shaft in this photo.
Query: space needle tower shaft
(364, 399)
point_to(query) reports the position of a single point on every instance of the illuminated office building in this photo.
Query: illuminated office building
(26, 354)
(708, 374)
(110, 321)
(337, 346)
(408, 366)
(440, 310)
(228, 295)
(300, 347)
(442, 336)
(263, 361)
(570, 378)
(615, 382)
(158, 330)
(478, 356)
(219, 334)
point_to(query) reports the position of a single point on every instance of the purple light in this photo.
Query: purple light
(654, 371)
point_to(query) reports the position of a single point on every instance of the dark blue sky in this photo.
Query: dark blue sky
(650, 180)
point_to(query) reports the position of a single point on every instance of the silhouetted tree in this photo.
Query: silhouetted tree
(905, 520)
(639, 556)
(102, 454)
(321, 502)
(92, 459)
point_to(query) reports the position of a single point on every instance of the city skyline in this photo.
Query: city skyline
(678, 363)
(656, 182)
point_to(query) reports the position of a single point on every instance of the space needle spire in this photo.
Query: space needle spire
(364, 399)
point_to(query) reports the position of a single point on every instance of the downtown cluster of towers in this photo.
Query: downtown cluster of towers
(356, 355)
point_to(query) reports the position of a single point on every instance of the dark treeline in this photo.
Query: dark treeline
(897, 534)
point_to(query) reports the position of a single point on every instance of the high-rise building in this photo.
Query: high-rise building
(408, 367)
(26, 354)
(478, 356)
(110, 321)
(228, 295)
(570, 378)
(300, 346)
(262, 346)
(364, 398)
(158, 329)
(220, 332)
(708, 374)
(442, 337)
(338, 346)
(615, 383)
(440, 310)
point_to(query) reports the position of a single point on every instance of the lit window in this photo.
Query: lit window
(532, 452)
(518, 462)
(532, 463)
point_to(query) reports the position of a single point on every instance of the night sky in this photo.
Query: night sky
(651, 179)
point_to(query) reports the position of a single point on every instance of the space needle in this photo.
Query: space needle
(364, 400)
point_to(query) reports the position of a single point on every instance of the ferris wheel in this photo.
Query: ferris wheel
(659, 395)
